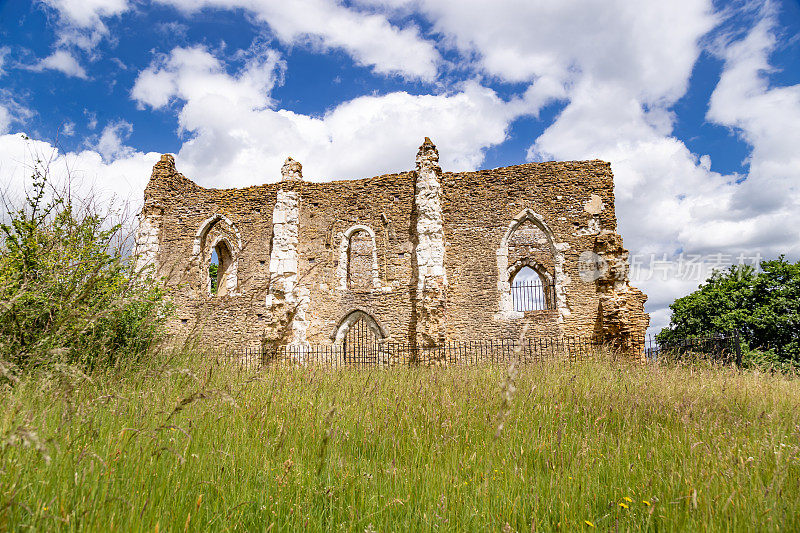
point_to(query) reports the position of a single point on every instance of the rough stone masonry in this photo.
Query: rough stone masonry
(421, 257)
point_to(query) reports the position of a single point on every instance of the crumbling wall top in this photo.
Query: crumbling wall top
(428, 154)
(292, 170)
(166, 180)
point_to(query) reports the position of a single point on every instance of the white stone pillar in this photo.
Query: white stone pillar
(147, 237)
(430, 247)
(285, 297)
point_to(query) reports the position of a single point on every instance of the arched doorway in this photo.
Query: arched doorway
(360, 338)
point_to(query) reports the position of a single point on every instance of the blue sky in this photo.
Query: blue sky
(695, 103)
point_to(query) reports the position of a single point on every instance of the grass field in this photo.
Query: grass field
(598, 445)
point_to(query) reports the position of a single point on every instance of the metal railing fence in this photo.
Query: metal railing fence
(721, 348)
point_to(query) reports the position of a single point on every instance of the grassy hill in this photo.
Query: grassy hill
(188, 446)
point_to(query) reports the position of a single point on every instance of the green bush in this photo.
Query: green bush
(69, 292)
(212, 274)
(767, 360)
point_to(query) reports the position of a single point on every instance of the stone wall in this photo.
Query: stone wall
(436, 252)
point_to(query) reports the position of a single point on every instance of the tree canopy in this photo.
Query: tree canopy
(764, 306)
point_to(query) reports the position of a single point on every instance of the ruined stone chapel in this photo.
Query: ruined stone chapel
(419, 257)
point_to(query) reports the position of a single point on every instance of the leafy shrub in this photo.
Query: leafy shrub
(767, 360)
(69, 292)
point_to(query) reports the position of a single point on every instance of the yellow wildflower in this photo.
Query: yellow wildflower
(588, 523)
(623, 504)
(627, 499)
(647, 503)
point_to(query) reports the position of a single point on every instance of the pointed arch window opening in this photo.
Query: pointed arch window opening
(359, 262)
(215, 253)
(532, 290)
(528, 242)
(219, 269)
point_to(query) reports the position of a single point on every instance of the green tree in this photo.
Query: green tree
(68, 291)
(212, 273)
(763, 306)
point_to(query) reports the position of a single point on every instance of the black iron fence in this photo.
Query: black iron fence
(533, 295)
(725, 348)
(721, 348)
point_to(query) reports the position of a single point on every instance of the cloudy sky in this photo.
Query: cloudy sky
(695, 103)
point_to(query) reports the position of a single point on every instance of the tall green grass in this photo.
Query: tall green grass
(599, 445)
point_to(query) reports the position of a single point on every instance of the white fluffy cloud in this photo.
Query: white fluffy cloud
(194, 75)
(11, 111)
(239, 135)
(5, 119)
(368, 37)
(81, 22)
(87, 13)
(111, 144)
(766, 118)
(119, 182)
(61, 61)
(651, 46)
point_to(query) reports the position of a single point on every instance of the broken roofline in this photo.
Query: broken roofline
(167, 162)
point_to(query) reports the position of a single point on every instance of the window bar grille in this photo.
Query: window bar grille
(533, 296)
